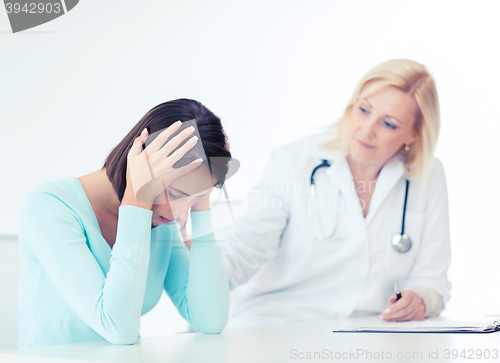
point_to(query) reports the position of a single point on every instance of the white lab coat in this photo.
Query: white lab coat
(280, 274)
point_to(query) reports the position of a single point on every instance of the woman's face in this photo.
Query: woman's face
(381, 124)
(181, 195)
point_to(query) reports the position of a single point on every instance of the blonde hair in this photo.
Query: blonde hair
(412, 78)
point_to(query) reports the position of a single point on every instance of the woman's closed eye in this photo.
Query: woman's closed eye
(174, 197)
(171, 196)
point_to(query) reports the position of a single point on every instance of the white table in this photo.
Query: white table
(283, 343)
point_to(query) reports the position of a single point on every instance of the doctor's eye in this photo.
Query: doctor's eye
(389, 125)
(363, 110)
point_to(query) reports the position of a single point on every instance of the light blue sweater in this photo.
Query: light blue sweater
(74, 288)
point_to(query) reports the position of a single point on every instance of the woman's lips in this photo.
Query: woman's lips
(365, 145)
(164, 220)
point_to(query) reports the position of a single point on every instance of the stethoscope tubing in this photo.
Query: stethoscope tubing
(404, 207)
(326, 164)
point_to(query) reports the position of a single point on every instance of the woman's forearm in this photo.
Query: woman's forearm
(196, 281)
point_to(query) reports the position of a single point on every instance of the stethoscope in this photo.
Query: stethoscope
(401, 242)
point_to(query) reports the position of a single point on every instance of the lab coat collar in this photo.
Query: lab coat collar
(340, 173)
(389, 175)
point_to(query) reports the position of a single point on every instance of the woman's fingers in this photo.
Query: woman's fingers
(175, 173)
(162, 138)
(180, 152)
(174, 142)
(136, 148)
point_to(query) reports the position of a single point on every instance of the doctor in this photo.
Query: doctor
(332, 245)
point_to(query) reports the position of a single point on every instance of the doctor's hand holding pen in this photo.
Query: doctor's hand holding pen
(409, 307)
(404, 306)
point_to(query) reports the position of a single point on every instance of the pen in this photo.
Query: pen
(396, 290)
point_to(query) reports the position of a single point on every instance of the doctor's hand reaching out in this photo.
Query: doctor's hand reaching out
(409, 307)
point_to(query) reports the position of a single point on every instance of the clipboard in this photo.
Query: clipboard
(426, 326)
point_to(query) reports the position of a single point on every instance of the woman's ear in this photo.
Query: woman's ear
(412, 138)
(227, 144)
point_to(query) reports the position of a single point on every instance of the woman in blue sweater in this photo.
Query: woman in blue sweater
(97, 251)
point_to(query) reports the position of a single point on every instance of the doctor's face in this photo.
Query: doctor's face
(381, 124)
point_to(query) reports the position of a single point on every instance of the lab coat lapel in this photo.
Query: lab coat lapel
(339, 173)
(390, 174)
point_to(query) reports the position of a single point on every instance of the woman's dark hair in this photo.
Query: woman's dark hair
(162, 116)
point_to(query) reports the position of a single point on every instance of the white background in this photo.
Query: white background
(274, 71)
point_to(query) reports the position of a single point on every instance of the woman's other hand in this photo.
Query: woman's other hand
(202, 203)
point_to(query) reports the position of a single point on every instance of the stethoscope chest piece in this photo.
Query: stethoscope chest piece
(401, 242)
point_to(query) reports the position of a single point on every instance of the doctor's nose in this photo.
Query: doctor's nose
(369, 128)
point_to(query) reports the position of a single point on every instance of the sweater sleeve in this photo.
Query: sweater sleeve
(110, 304)
(195, 280)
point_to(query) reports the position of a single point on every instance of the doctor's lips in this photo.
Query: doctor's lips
(365, 145)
